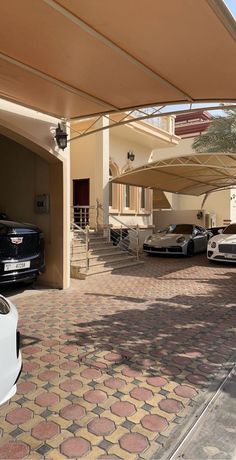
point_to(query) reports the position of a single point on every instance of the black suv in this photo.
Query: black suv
(21, 252)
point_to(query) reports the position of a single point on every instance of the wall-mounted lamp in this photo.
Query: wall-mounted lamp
(199, 214)
(61, 137)
(130, 155)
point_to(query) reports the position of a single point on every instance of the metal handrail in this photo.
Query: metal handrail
(133, 229)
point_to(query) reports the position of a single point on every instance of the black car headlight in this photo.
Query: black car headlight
(4, 306)
(213, 244)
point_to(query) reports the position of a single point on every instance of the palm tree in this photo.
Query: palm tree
(220, 135)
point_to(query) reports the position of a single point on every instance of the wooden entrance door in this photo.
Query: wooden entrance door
(81, 202)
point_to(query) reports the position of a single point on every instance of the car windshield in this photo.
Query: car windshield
(186, 229)
(230, 230)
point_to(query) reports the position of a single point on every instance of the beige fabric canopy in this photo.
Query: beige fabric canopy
(75, 58)
(160, 200)
(188, 175)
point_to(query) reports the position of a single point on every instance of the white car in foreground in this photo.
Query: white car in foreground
(10, 356)
(222, 247)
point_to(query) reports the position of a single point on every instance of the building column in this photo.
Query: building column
(102, 168)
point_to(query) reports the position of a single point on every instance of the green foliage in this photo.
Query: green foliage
(220, 136)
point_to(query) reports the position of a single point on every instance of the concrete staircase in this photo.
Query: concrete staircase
(103, 256)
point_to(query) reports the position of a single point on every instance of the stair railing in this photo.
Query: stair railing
(127, 237)
(124, 236)
(83, 235)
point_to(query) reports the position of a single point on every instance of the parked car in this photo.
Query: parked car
(222, 247)
(21, 252)
(216, 230)
(10, 356)
(182, 239)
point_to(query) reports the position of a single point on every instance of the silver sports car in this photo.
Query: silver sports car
(185, 239)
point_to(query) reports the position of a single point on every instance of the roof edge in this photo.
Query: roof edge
(224, 15)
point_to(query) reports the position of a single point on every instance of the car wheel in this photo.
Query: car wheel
(190, 249)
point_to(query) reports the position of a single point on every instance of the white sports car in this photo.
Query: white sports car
(181, 239)
(222, 247)
(10, 356)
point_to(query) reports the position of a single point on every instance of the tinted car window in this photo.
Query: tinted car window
(230, 230)
(181, 228)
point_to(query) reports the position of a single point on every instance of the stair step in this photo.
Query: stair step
(108, 262)
(97, 270)
(93, 243)
(97, 254)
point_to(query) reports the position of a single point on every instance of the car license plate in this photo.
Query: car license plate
(230, 256)
(16, 266)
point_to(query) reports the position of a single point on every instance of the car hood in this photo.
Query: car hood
(8, 227)
(224, 239)
(166, 239)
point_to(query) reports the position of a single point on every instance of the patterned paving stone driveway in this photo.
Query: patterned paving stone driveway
(115, 364)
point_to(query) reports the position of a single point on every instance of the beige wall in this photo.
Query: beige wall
(217, 203)
(163, 218)
(35, 132)
(23, 174)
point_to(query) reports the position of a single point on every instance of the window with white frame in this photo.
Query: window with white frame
(142, 198)
(126, 197)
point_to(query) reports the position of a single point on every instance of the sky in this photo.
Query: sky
(231, 4)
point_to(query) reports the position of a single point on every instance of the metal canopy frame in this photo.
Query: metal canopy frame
(138, 114)
(225, 176)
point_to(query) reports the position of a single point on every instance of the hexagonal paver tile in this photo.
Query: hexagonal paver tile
(156, 381)
(72, 412)
(12, 450)
(198, 379)
(154, 422)
(49, 357)
(47, 399)
(67, 349)
(47, 376)
(70, 385)
(32, 350)
(113, 357)
(172, 406)
(45, 430)
(95, 396)
(25, 387)
(75, 447)
(114, 383)
(170, 370)
(101, 426)
(30, 366)
(129, 372)
(185, 391)
(68, 365)
(19, 415)
(182, 360)
(134, 442)
(91, 374)
(142, 394)
(123, 408)
(207, 368)
(145, 363)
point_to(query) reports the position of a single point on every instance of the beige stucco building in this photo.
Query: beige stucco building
(105, 154)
